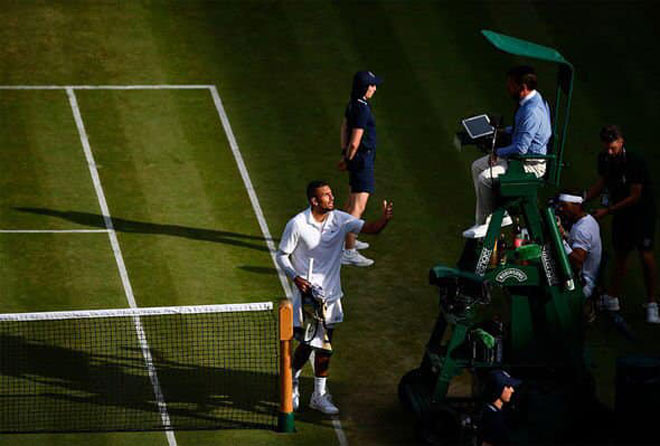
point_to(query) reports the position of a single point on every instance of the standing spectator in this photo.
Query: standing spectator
(530, 134)
(358, 144)
(318, 233)
(582, 243)
(625, 177)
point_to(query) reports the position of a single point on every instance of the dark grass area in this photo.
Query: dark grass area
(283, 70)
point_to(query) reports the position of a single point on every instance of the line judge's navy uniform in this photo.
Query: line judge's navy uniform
(361, 168)
(493, 429)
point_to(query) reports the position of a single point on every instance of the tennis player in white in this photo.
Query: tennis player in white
(318, 233)
(582, 243)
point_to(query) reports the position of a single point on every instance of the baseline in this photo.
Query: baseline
(52, 231)
(107, 87)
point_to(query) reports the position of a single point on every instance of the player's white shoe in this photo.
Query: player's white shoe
(652, 316)
(361, 245)
(609, 303)
(352, 257)
(323, 404)
(295, 394)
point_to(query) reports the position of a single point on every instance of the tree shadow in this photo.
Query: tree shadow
(132, 226)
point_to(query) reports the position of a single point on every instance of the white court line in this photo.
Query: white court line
(249, 187)
(105, 87)
(113, 238)
(51, 231)
(339, 431)
(128, 289)
(336, 422)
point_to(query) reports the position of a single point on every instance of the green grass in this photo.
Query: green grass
(283, 69)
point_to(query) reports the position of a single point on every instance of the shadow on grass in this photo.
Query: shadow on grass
(132, 226)
(51, 388)
(257, 269)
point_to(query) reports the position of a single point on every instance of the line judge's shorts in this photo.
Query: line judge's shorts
(634, 230)
(361, 172)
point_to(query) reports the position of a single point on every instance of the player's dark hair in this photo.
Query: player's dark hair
(313, 186)
(523, 75)
(610, 133)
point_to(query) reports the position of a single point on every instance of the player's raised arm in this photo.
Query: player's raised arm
(374, 227)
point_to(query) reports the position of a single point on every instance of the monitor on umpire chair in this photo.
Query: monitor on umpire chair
(478, 126)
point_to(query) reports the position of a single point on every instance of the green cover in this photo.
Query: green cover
(524, 48)
(485, 337)
(528, 252)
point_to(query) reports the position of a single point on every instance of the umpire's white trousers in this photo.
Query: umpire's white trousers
(482, 177)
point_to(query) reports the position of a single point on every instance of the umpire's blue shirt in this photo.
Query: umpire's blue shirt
(532, 128)
(358, 116)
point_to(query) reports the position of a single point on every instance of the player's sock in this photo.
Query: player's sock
(319, 385)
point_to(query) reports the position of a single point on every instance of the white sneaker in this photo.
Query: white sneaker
(361, 245)
(295, 394)
(652, 316)
(479, 231)
(506, 220)
(476, 231)
(609, 303)
(352, 257)
(322, 403)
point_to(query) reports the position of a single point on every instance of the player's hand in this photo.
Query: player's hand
(387, 210)
(492, 160)
(302, 284)
(562, 231)
(341, 165)
(599, 214)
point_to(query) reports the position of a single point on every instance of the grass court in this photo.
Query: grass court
(184, 220)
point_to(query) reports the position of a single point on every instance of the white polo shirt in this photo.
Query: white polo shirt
(305, 238)
(585, 234)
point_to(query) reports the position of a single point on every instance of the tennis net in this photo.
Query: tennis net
(167, 368)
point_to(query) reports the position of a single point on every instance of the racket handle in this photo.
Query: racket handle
(309, 270)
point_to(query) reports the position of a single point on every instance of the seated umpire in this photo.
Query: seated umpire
(530, 134)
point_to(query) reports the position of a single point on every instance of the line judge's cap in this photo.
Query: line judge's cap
(366, 78)
(501, 379)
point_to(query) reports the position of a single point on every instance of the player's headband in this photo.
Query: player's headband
(568, 198)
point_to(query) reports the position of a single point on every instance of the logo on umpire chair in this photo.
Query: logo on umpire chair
(509, 273)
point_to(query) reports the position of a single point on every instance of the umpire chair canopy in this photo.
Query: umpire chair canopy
(560, 111)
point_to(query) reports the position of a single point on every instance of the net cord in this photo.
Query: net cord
(133, 312)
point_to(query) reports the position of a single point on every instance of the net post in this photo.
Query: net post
(285, 417)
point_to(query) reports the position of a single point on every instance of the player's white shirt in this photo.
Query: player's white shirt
(585, 234)
(305, 238)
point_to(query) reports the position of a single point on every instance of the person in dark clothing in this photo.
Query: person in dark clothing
(358, 144)
(493, 429)
(624, 175)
